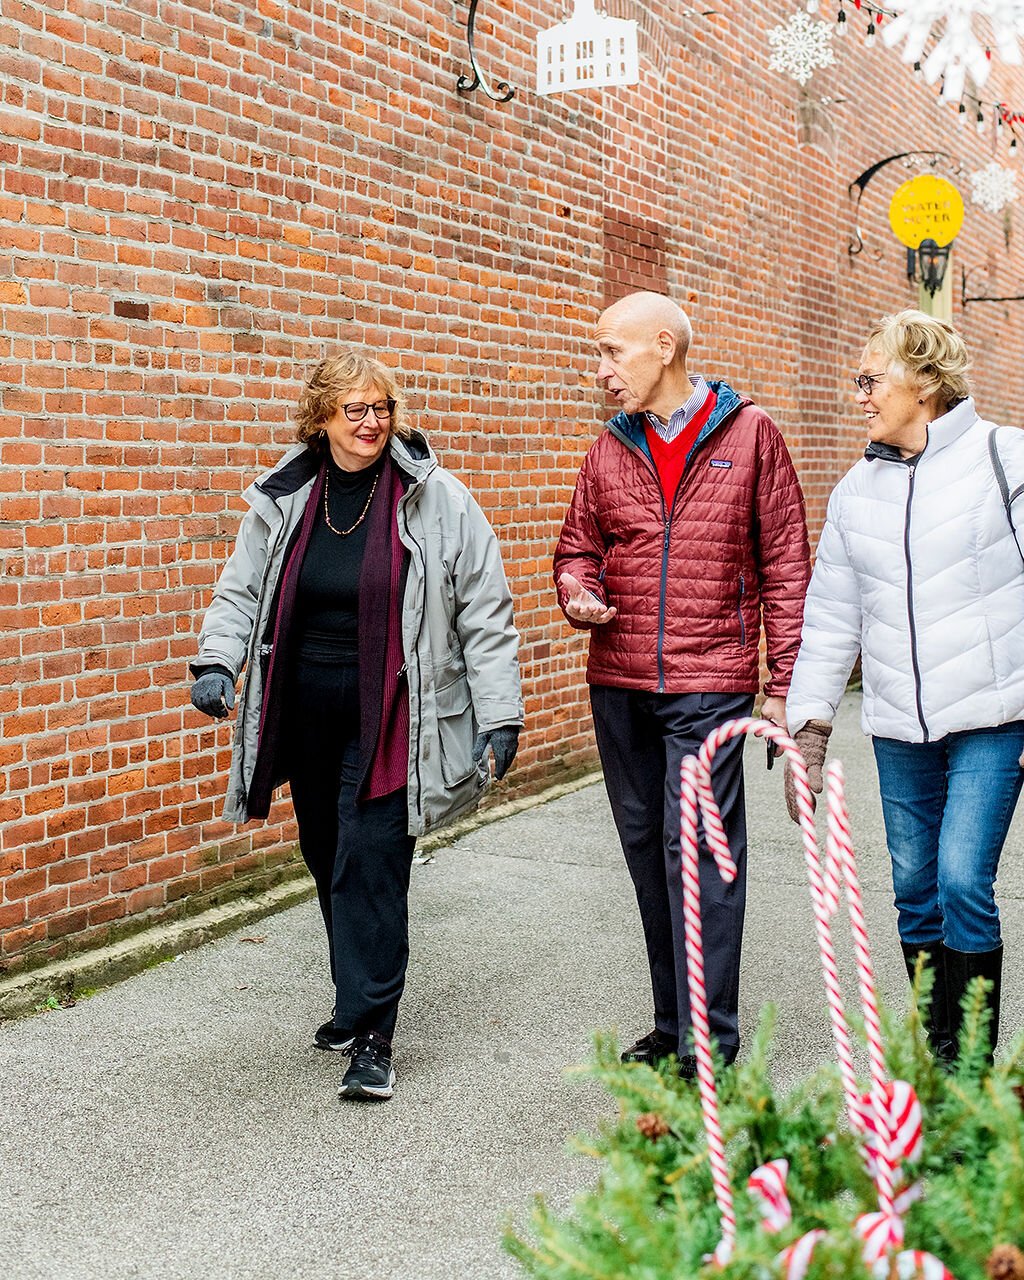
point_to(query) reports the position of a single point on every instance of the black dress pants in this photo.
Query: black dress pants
(642, 738)
(359, 854)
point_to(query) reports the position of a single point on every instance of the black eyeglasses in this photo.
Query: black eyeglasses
(357, 412)
(866, 381)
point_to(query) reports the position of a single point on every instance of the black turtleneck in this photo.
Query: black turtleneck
(327, 601)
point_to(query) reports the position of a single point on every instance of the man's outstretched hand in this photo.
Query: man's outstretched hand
(582, 605)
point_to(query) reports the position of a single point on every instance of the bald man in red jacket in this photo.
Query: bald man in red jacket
(686, 534)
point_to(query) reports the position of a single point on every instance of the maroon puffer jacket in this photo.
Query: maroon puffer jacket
(691, 587)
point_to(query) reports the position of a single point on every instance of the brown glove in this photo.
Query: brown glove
(812, 740)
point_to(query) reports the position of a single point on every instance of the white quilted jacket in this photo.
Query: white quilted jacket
(917, 570)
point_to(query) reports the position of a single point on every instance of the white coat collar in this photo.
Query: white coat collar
(951, 426)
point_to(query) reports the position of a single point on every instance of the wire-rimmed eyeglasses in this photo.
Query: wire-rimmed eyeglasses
(866, 381)
(381, 409)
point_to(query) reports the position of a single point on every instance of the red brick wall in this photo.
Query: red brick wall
(198, 201)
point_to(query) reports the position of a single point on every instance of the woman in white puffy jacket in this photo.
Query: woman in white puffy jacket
(918, 570)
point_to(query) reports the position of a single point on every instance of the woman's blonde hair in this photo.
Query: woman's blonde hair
(334, 378)
(926, 351)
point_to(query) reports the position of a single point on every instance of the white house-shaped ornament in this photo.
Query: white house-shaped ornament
(587, 51)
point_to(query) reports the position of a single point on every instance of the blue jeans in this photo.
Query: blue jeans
(947, 807)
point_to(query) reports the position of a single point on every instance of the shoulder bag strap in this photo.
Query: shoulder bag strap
(1004, 489)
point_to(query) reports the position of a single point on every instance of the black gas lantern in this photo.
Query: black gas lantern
(928, 265)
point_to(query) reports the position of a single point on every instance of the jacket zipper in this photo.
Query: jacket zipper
(403, 514)
(666, 517)
(910, 605)
(739, 611)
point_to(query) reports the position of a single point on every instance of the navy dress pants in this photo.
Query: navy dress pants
(642, 738)
(359, 853)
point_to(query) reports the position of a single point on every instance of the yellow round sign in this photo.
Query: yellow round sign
(926, 208)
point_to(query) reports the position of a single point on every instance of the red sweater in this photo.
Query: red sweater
(670, 456)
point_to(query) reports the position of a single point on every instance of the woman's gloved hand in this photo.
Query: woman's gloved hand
(812, 740)
(503, 742)
(214, 694)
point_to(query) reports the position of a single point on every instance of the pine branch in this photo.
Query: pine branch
(652, 1213)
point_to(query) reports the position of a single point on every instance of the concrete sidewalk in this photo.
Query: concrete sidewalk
(179, 1126)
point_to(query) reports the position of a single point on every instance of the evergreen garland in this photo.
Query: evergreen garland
(652, 1214)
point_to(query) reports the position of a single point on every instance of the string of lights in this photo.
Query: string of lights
(1000, 117)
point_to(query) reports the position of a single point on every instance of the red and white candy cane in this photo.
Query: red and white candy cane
(883, 1230)
(903, 1119)
(824, 893)
(795, 1260)
(912, 1264)
(695, 791)
(689, 787)
(767, 1184)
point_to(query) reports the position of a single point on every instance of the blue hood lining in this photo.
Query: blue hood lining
(631, 425)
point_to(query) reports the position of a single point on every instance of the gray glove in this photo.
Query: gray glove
(214, 694)
(503, 742)
(812, 740)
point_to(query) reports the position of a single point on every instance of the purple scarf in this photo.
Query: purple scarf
(384, 695)
(383, 689)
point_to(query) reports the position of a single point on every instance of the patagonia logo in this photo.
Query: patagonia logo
(720, 462)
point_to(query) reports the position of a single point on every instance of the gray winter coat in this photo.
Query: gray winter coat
(457, 631)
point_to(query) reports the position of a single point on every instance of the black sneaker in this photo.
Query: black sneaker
(330, 1037)
(652, 1048)
(370, 1074)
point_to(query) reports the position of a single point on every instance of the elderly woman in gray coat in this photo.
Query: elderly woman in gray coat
(366, 602)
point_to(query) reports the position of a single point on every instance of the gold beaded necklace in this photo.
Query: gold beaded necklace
(343, 533)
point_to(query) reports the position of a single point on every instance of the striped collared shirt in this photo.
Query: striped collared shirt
(684, 415)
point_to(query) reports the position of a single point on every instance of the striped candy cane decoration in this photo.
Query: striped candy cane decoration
(824, 895)
(892, 1126)
(767, 1185)
(695, 792)
(701, 1028)
(903, 1121)
(795, 1260)
(912, 1264)
(841, 865)
(882, 1233)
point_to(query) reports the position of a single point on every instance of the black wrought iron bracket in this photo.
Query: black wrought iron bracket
(965, 299)
(858, 185)
(502, 91)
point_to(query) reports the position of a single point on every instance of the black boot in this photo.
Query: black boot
(961, 968)
(938, 1023)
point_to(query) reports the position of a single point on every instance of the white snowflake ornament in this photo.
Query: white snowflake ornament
(993, 187)
(801, 45)
(958, 51)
